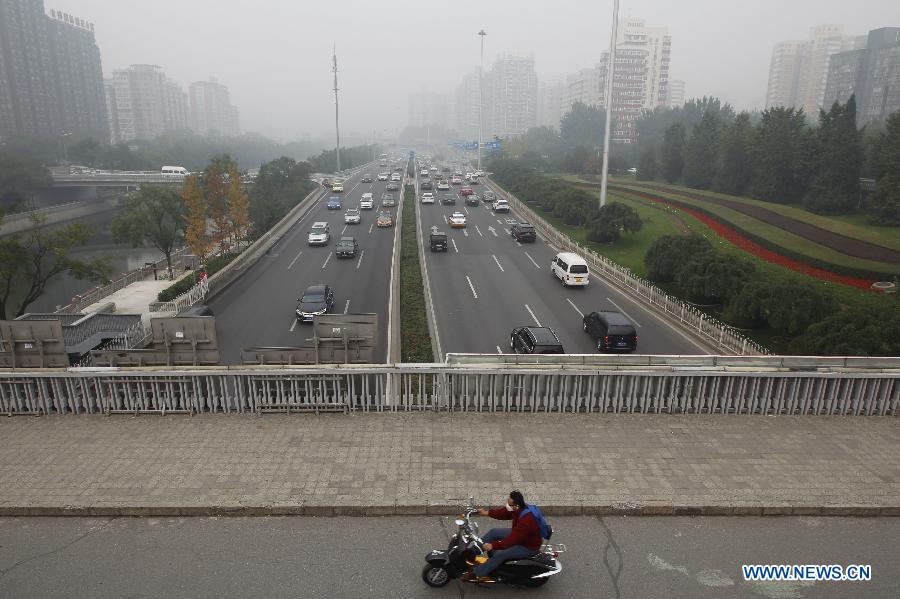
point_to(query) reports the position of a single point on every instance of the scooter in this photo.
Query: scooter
(466, 550)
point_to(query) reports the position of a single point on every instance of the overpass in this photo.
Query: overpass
(115, 179)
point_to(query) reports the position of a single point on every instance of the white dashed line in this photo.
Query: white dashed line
(478, 230)
(499, 351)
(466, 233)
(346, 306)
(326, 260)
(454, 246)
(293, 326)
(532, 260)
(344, 230)
(472, 287)
(536, 321)
(623, 312)
(358, 262)
(580, 313)
(498, 263)
(370, 228)
(291, 265)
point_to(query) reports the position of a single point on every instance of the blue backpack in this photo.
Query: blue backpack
(546, 529)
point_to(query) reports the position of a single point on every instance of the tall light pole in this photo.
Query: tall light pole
(337, 130)
(610, 72)
(481, 98)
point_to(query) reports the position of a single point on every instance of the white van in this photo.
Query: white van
(367, 202)
(174, 170)
(570, 269)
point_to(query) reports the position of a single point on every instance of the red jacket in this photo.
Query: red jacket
(525, 530)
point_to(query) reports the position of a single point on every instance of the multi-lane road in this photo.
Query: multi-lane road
(258, 309)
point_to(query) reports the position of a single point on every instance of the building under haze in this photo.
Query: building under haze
(676, 93)
(799, 69)
(467, 108)
(510, 96)
(429, 109)
(549, 103)
(211, 109)
(51, 80)
(872, 73)
(143, 103)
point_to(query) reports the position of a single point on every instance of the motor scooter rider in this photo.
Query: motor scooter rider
(520, 541)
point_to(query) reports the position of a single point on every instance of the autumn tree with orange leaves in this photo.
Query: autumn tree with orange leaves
(238, 206)
(195, 212)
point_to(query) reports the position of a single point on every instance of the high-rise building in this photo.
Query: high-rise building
(511, 102)
(467, 107)
(51, 80)
(429, 109)
(871, 73)
(144, 103)
(799, 69)
(549, 103)
(676, 93)
(211, 109)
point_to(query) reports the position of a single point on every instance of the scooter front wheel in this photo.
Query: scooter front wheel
(435, 576)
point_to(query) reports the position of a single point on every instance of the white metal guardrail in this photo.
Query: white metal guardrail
(676, 388)
(720, 335)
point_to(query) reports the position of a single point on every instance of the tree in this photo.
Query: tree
(154, 215)
(884, 207)
(29, 261)
(713, 277)
(217, 204)
(238, 205)
(647, 165)
(582, 126)
(673, 152)
(668, 253)
(778, 156)
(786, 304)
(18, 174)
(279, 185)
(865, 331)
(834, 188)
(736, 169)
(195, 211)
(701, 152)
(612, 220)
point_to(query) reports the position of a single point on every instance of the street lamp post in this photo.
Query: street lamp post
(337, 130)
(481, 98)
(610, 71)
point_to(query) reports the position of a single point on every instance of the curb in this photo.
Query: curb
(443, 509)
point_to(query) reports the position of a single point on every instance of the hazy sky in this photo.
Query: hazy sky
(275, 55)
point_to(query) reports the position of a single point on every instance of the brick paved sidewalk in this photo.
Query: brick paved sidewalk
(428, 463)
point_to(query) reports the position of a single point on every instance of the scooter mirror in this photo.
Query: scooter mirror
(460, 522)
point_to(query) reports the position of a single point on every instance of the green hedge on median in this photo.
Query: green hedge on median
(212, 267)
(415, 340)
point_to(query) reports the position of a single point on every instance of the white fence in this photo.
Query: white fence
(185, 300)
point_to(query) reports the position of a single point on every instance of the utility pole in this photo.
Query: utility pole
(337, 130)
(481, 98)
(610, 72)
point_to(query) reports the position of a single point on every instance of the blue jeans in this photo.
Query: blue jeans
(502, 555)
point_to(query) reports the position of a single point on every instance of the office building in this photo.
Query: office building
(211, 109)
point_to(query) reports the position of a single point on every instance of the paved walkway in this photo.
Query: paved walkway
(428, 463)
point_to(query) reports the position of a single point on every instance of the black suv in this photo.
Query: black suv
(449, 199)
(316, 300)
(611, 331)
(472, 200)
(535, 340)
(346, 247)
(426, 186)
(438, 241)
(523, 232)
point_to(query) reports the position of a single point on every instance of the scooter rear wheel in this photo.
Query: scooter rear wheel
(435, 576)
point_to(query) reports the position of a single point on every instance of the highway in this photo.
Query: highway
(488, 283)
(258, 308)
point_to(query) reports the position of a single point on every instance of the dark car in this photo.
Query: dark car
(449, 199)
(472, 200)
(367, 178)
(523, 232)
(316, 300)
(535, 340)
(334, 203)
(438, 241)
(388, 200)
(427, 186)
(346, 247)
(489, 197)
(611, 331)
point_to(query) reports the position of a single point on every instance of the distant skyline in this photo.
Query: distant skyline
(275, 55)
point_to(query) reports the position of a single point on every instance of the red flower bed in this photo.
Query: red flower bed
(764, 253)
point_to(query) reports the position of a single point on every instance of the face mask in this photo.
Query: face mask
(510, 508)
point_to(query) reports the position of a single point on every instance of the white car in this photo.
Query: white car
(428, 198)
(458, 220)
(383, 176)
(455, 180)
(319, 234)
(367, 202)
(395, 177)
(424, 172)
(352, 216)
(501, 206)
(443, 186)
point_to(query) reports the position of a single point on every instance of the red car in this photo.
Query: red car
(466, 191)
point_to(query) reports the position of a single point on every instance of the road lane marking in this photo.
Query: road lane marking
(532, 260)
(498, 220)
(346, 306)
(472, 287)
(508, 232)
(344, 229)
(623, 312)
(291, 265)
(467, 210)
(361, 254)
(466, 233)
(370, 228)
(492, 230)
(293, 326)
(499, 351)
(478, 230)
(326, 260)
(445, 220)
(498, 263)
(538, 322)
(580, 313)
(454, 245)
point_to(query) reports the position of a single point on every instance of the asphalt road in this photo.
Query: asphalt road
(487, 284)
(619, 558)
(258, 309)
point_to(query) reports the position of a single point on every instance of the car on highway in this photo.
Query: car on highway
(424, 172)
(366, 202)
(316, 300)
(320, 234)
(384, 219)
(327, 183)
(472, 200)
(523, 232)
(443, 186)
(367, 178)
(449, 199)
(428, 198)
(458, 220)
(352, 216)
(346, 247)
(466, 191)
(611, 331)
(437, 241)
(489, 197)
(535, 340)
(570, 269)
(501, 206)
(383, 176)
(392, 187)
(388, 201)
(445, 169)
(632, 171)
(337, 187)
(334, 203)
(395, 177)
(426, 185)
(456, 180)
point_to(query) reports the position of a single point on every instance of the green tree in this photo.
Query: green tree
(786, 304)
(864, 331)
(279, 186)
(238, 205)
(153, 216)
(18, 174)
(668, 253)
(672, 153)
(736, 169)
(612, 220)
(583, 126)
(779, 155)
(701, 152)
(30, 260)
(647, 165)
(884, 206)
(837, 165)
(713, 277)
